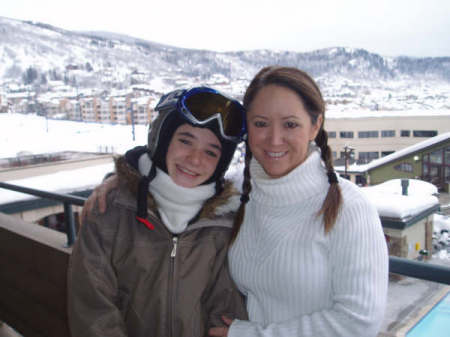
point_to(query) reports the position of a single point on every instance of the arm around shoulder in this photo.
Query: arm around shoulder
(224, 298)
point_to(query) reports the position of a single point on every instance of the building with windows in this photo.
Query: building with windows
(375, 134)
(118, 108)
(428, 160)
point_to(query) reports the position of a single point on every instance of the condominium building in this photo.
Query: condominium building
(375, 134)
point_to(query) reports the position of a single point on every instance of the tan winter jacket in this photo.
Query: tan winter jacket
(128, 280)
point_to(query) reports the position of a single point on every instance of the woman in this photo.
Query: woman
(154, 264)
(309, 251)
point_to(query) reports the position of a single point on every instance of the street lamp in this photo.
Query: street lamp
(131, 110)
(348, 152)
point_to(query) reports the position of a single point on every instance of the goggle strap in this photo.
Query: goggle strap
(170, 100)
(216, 116)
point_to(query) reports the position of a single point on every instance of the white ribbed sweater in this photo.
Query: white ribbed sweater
(299, 281)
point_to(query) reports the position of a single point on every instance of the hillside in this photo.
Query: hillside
(36, 54)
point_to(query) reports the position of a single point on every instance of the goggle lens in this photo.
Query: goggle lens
(204, 104)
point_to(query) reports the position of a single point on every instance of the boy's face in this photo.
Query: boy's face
(192, 156)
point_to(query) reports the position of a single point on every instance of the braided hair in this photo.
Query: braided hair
(245, 196)
(308, 91)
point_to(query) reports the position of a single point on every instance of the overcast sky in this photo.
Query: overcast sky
(386, 27)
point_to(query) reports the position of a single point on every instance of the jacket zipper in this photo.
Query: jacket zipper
(174, 249)
(171, 298)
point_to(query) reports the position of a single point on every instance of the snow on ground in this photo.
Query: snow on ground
(35, 135)
(441, 223)
(441, 239)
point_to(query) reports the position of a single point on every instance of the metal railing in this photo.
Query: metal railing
(397, 265)
(67, 199)
(419, 269)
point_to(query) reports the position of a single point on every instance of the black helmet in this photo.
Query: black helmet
(200, 107)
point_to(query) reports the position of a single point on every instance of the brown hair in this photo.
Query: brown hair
(308, 91)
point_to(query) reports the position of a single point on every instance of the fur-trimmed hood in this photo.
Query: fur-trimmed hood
(219, 205)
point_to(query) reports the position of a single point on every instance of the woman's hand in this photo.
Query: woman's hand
(221, 331)
(99, 195)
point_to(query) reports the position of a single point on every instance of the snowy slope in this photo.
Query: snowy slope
(349, 78)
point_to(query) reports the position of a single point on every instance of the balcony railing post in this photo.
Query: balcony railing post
(70, 223)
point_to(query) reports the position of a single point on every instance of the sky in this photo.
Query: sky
(388, 27)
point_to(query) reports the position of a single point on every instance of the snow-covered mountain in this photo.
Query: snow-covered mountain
(36, 53)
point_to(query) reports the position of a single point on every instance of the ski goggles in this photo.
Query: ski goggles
(201, 105)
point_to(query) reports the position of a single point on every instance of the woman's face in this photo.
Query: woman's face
(192, 156)
(279, 130)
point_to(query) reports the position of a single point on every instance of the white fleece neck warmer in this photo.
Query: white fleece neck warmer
(177, 205)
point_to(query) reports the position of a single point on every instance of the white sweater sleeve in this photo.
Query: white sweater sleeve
(359, 276)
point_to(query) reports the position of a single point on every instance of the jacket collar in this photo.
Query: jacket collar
(218, 205)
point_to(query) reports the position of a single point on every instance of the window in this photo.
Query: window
(365, 157)
(436, 157)
(447, 156)
(331, 134)
(368, 134)
(386, 153)
(387, 133)
(346, 134)
(334, 154)
(404, 167)
(434, 171)
(424, 133)
(360, 180)
(405, 133)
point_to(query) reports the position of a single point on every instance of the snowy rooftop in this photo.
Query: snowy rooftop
(335, 113)
(390, 202)
(397, 154)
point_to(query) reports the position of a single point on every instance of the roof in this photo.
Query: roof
(397, 210)
(399, 154)
(355, 114)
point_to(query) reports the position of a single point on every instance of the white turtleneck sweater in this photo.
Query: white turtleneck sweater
(177, 205)
(298, 280)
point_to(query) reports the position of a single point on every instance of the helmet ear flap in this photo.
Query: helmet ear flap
(154, 131)
(160, 135)
(166, 107)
